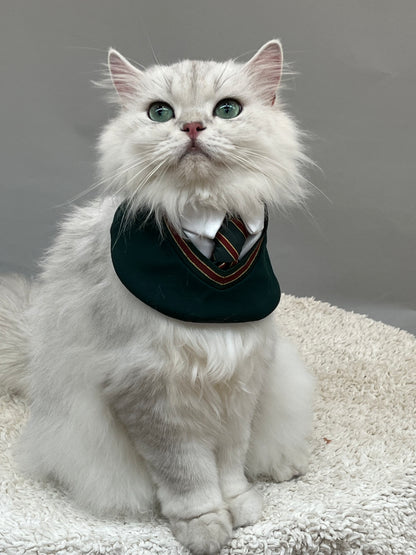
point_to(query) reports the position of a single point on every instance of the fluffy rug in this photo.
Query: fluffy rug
(359, 495)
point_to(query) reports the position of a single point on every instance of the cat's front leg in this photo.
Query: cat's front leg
(186, 475)
(191, 498)
(244, 501)
(283, 418)
(184, 469)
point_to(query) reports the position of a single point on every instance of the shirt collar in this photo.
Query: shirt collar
(205, 222)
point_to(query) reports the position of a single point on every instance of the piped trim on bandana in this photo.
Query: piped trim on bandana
(207, 268)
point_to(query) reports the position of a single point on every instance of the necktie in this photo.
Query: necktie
(228, 242)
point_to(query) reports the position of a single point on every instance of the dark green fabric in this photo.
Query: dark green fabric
(154, 269)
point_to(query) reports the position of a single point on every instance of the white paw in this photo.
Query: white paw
(206, 534)
(286, 468)
(278, 462)
(246, 508)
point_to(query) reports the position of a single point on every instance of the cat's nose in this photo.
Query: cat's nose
(193, 128)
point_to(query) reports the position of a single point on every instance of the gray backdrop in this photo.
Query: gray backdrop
(355, 92)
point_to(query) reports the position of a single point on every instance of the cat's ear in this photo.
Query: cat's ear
(125, 77)
(265, 70)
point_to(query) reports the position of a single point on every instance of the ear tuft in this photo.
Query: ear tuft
(265, 70)
(124, 75)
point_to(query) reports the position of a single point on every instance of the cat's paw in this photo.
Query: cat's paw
(286, 468)
(206, 534)
(278, 463)
(246, 508)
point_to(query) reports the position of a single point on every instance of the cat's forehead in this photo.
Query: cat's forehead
(191, 79)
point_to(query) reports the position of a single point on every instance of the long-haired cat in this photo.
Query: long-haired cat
(130, 401)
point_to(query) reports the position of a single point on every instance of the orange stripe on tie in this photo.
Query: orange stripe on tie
(239, 224)
(228, 246)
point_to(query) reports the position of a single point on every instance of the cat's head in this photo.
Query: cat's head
(202, 132)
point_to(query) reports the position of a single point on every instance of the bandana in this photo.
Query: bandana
(169, 274)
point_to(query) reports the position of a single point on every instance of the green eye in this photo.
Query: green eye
(160, 111)
(228, 108)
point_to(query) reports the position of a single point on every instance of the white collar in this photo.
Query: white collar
(205, 222)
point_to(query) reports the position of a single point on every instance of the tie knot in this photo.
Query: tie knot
(228, 242)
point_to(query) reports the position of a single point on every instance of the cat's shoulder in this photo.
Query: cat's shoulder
(96, 214)
(83, 236)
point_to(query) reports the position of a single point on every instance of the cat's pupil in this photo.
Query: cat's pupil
(160, 112)
(227, 108)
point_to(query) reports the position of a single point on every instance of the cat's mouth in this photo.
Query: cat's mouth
(194, 149)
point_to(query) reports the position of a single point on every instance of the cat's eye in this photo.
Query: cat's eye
(228, 108)
(160, 111)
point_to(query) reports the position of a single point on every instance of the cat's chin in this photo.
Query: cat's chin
(196, 164)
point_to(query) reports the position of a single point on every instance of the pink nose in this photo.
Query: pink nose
(193, 129)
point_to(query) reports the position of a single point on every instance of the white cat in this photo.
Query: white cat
(128, 405)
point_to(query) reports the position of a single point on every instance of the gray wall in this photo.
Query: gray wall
(355, 92)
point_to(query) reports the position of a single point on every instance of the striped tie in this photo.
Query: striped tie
(229, 241)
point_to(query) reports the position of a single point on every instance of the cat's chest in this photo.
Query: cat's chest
(183, 353)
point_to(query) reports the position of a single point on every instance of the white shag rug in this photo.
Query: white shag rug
(359, 496)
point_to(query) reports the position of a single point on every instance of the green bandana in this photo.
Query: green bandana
(169, 274)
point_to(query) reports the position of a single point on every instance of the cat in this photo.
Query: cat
(130, 407)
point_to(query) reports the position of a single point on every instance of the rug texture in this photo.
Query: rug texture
(359, 495)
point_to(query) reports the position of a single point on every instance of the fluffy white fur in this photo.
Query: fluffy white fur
(127, 405)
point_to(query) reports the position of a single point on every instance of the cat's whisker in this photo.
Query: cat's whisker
(141, 183)
(119, 173)
(109, 179)
(306, 160)
(261, 156)
(124, 185)
(220, 80)
(311, 184)
(245, 163)
(150, 174)
(303, 158)
(280, 167)
(134, 166)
